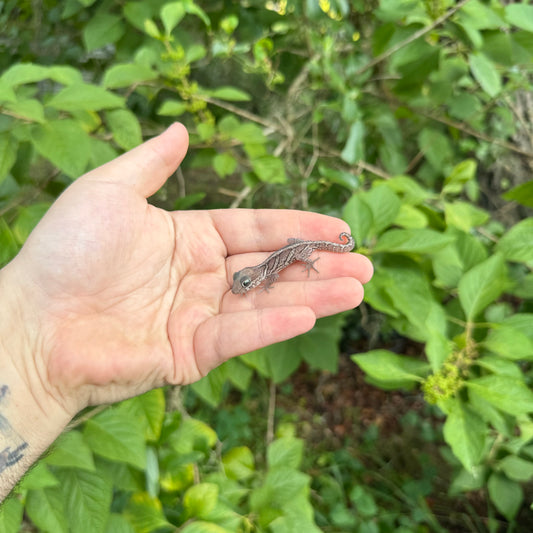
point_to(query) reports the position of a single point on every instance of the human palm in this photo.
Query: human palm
(132, 297)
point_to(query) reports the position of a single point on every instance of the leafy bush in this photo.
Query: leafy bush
(409, 118)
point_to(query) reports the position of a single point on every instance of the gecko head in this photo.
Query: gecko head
(243, 281)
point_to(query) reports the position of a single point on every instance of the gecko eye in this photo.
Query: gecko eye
(246, 282)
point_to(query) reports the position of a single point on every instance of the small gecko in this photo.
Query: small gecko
(297, 250)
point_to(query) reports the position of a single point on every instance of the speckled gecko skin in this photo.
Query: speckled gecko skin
(267, 272)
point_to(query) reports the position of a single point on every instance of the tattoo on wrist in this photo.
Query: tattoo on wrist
(12, 445)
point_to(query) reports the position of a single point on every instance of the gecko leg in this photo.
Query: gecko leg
(310, 265)
(269, 282)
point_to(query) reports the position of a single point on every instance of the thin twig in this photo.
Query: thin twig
(271, 412)
(411, 38)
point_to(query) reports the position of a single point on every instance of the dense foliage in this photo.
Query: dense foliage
(411, 119)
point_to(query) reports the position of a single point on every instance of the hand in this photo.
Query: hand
(119, 296)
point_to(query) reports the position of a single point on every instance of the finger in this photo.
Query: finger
(230, 334)
(148, 166)
(329, 265)
(249, 230)
(325, 297)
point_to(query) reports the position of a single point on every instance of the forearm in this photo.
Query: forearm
(29, 418)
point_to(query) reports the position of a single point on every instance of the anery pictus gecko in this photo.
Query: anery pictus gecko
(297, 250)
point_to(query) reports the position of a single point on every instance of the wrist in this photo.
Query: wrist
(30, 416)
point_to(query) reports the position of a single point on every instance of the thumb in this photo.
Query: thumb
(148, 166)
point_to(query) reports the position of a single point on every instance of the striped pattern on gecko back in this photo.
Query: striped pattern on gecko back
(267, 272)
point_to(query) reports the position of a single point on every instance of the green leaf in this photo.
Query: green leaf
(269, 169)
(145, 513)
(125, 128)
(171, 15)
(70, 450)
(464, 216)
(385, 206)
(11, 515)
(29, 109)
(465, 432)
(436, 147)
(22, 73)
(8, 244)
(510, 343)
(506, 495)
(239, 373)
(83, 96)
(517, 243)
(359, 217)
(39, 477)
(101, 29)
(27, 219)
(354, 149)
(228, 93)
(485, 73)
(410, 217)
(117, 523)
(201, 526)
(172, 108)
(211, 387)
(239, 463)
(520, 15)
(507, 394)
(127, 74)
(224, 164)
(193, 435)
(523, 194)
(462, 173)
(115, 436)
(7, 94)
(286, 452)
(422, 241)
(516, 468)
(8, 154)
(383, 365)
(65, 144)
(149, 410)
(481, 285)
(200, 500)
(87, 497)
(46, 509)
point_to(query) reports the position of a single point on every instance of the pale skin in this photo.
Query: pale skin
(111, 296)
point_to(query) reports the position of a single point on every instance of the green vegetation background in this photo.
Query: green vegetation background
(411, 119)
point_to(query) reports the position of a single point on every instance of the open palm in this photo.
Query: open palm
(132, 297)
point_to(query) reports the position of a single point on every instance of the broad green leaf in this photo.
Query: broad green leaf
(354, 149)
(465, 432)
(87, 497)
(239, 373)
(171, 15)
(22, 73)
(149, 410)
(224, 164)
(8, 244)
(29, 109)
(115, 436)
(438, 349)
(127, 74)
(66, 75)
(65, 144)
(228, 93)
(520, 15)
(436, 147)
(27, 219)
(125, 128)
(145, 513)
(411, 192)
(482, 285)
(359, 216)
(101, 29)
(239, 463)
(485, 73)
(516, 468)
(83, 96)
(508, 394)
(500, 366)
(211, 387)
(383, 365)
(286, 452)
(200, 500)
(422, 241)
(523, 194)
(11, 511)
(385, 206)
(506, 495)
(510, 343)
(517, 243)
(8, 153)
(172, 108)
(39, 477)
(460, 174)
(193, 435)
(70, 450)
(7, 94)
(410, 217)
(269, 169)
(464, 216)
(47, 509)
(117, 523)
(202, 526)
(194, 9)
